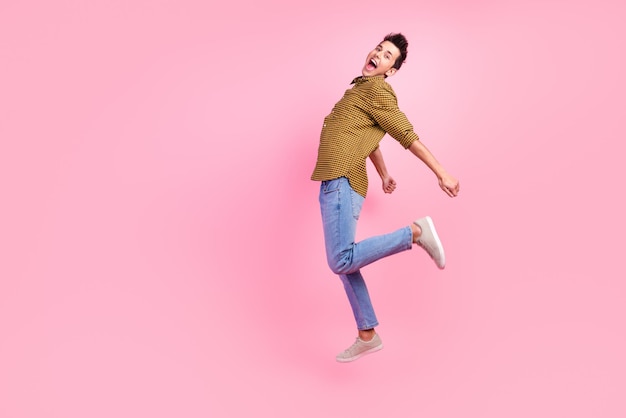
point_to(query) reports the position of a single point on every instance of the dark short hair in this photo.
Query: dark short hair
(402, 44)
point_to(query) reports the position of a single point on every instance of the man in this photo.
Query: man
(352, 133)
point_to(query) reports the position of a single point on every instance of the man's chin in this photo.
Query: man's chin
(367, 73)
(368, 70)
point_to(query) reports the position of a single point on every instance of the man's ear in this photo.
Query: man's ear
(391, 71)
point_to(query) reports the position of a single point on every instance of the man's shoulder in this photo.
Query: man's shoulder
(382, 87)
(383, 94)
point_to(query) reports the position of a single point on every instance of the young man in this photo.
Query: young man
(351, 133)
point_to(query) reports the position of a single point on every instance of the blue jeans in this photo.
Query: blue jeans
(341, 206)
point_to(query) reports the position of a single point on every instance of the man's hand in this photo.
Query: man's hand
(389, 184)
(449, 184)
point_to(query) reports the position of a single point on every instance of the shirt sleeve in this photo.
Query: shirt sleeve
(386, 113)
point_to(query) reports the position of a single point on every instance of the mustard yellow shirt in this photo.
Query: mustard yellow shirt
(355, 127)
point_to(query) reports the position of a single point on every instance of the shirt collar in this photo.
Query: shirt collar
(363, 79)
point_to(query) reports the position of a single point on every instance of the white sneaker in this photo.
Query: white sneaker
(429, 241)
(359, 349)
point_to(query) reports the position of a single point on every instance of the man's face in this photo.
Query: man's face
(380, 61)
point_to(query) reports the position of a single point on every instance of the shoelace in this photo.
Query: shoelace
(353, 348)
(350, 350)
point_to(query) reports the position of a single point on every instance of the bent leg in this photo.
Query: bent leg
(341, 206)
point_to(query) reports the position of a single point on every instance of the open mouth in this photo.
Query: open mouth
(371, 65)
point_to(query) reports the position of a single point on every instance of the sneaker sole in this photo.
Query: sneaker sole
(431, 226)
(358, 356)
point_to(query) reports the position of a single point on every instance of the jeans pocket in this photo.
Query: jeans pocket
(329, 186)
(357, 203)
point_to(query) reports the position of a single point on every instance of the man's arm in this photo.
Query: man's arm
(389, 184)
(448, 183)
(386, 113)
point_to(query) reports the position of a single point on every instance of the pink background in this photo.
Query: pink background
(161, 251)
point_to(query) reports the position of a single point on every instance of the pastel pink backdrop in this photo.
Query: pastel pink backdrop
(160, 243)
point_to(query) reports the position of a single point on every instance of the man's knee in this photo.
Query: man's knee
(340, 264)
